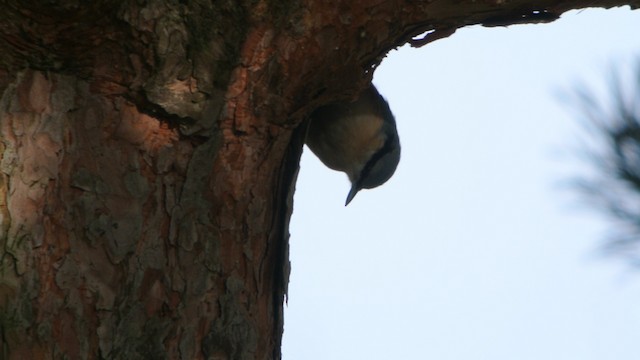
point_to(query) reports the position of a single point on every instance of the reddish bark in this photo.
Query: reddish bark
(149, 153)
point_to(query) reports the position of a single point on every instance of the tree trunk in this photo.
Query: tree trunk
(149, 154)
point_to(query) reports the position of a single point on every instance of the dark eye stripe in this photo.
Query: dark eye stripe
(387, 147)
(382, 109)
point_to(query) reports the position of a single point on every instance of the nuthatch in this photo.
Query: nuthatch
(359, 138)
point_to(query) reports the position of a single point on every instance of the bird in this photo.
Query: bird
(359, 138)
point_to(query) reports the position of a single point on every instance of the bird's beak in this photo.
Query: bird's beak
(352, 193)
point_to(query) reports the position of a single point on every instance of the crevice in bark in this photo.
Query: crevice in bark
(158, 112)
(146, 195)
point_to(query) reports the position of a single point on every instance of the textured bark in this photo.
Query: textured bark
(148, 159)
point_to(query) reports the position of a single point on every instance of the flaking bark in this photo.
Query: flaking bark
(149, 155)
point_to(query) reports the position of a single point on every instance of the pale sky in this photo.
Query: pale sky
(475, 249)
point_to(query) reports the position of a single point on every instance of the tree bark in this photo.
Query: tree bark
(149, 154)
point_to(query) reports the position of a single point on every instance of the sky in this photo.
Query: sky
(477, 248)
